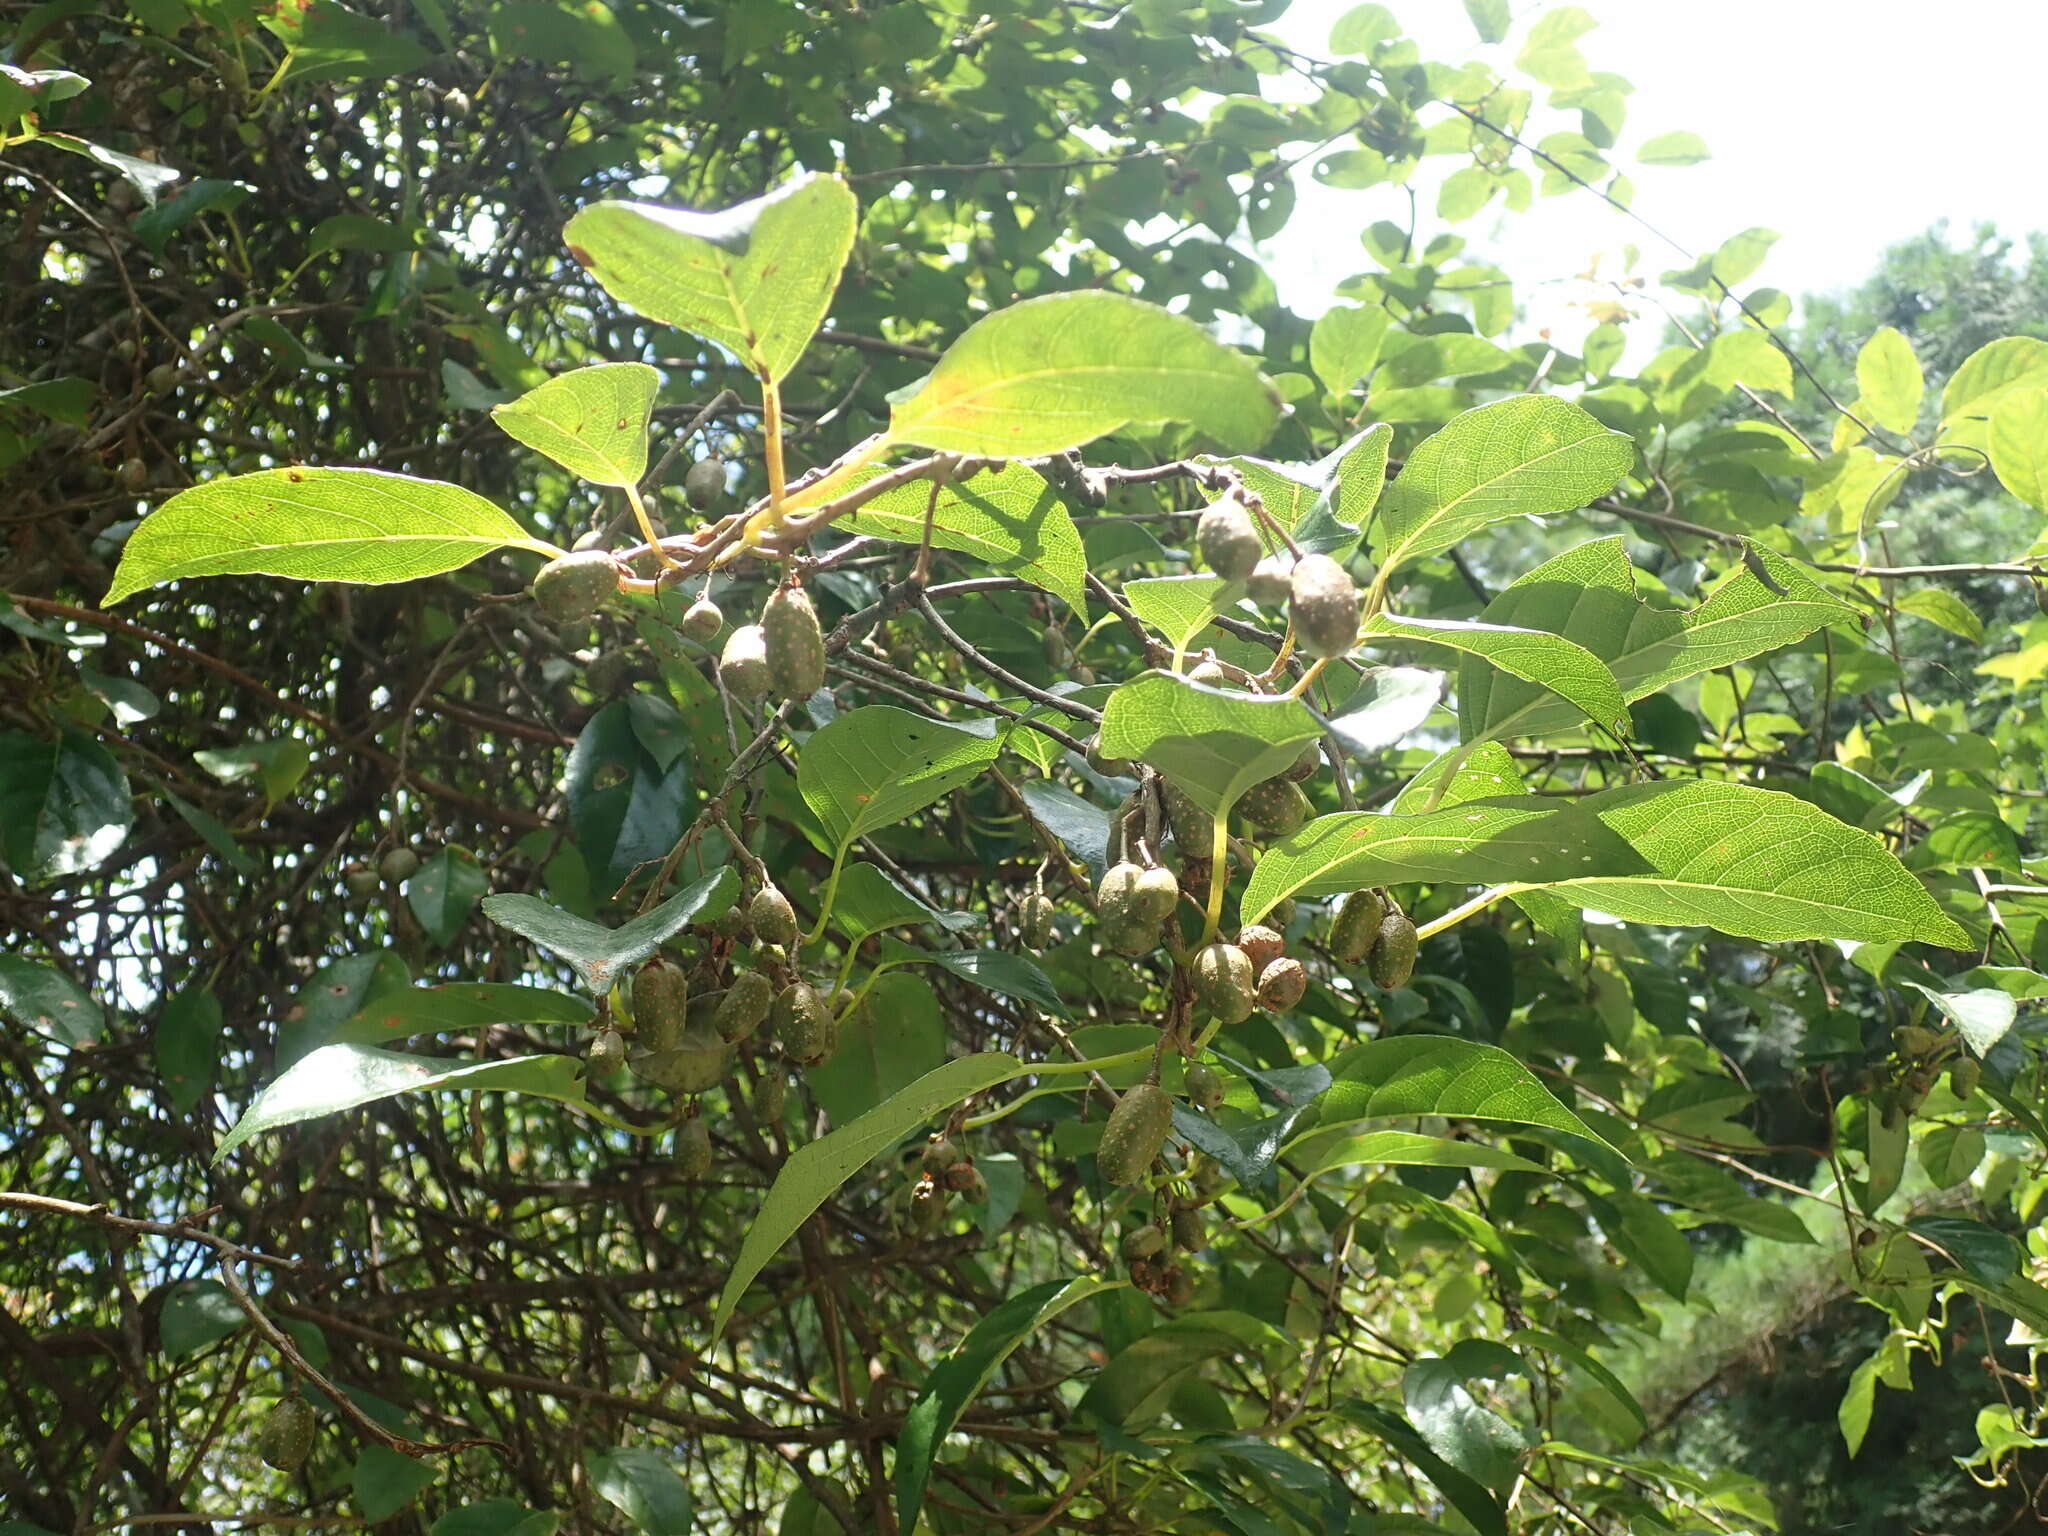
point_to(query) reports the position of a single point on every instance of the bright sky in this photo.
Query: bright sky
(1845, 125)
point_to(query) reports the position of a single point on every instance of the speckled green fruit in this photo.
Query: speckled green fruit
(793, 643)
(1204, 1085)
(361, 881)
(1118, 889)
(399, 865)
(1143, 1242)
(693, 1148)
(771, 1095)
(771, 917)
(803, 1024)
(702, 621)
(1964, 1077)
(607, 1052)
(1275, 807)
(1228, 541)
(698, 1061)
(1209, 674)
(1322, 602)
(1188, 1229)
(743, 665)
(286, 1439)
(1356, 926)
(1156, 895)
(1225, 987)
(571, 589)
(1193, 828)
(1393, 952)
(1034, 920)
(1281, 985)
(661, 1004)
(704, 483)
(1271, 580)
(1137, 1129)
(940, 1153)
(744, 1006)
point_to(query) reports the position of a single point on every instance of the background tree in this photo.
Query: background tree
(1403, 1217)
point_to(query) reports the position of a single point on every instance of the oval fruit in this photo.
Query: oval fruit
(793, 643)
(1281, 985)
(1224, 984)
(1193, 828)
(771, 1093)
(1322, 603)
(1261, 945)
(571, 589)
(398, 865)
(771, 917)
(1143, 1242)
(1189, 1230)
(704, 483)
(1117, 892)
(803, 1024)
(1393, 952)
(1156, 895)
(1205, 1086)
(286, 1439)
(743, 665)
(1271, 581)
(1137, 1129)
(702, 621)
(607, 1052)
(1964, 1077)
(661, 1004)
(1356, 926)
(744, 1006)
(1228, 540)
(693, 1148)
(1275, 806)
(1034, 920)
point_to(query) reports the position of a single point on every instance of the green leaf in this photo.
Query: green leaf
(1891, 1366)
(1983, 1252)
(1405, 1075)
(1537, 656)
(625, 809)
(188, 1046)
(1056, 372)
(1323, 504)
(868, 901)
(1550, 1343)
(155, 226)
(895, 1036)
(44, 999)
(1345, 344)
(600, 955)
(495, 1517)
(583, 34)
(1134, 1386)
(277, 765)
(1005, 974)
(357, 525)
(1213, 743)
(957, 1380)
(1340, 1147)
(875, 766)
(1756, 863)
(645, 1488)
(1455, 1424)
(2019, 445)
(1529, 455)
(1010, 519)
(592, 422)
(1951, 1153)
(1647, 1238)
(443, 892)
(466, 1005)
(1448, 355)
(1680, 148)
(1490, 19)
(214, 833)
(1465, 1494)
(1942, 608)
(756, 279)
(338, 1077)
(1983, 380)
(384, 1481)
(816, 1170)
(1498, 840)
(68, 400)
(64, 805)
(1388, 703)
(1889, 379)
(197, 1313)
(1588, 596)
(1180, 607)
(1983, 1016)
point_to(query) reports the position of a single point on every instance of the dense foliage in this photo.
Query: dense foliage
(736, 794)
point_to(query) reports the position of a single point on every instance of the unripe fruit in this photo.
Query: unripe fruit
(1393, 952)
(1209, 674)
(591, 538)
(731, 923)
(161, 379)
(927, 1206)
(1322, 602)
(1271, 580)
(771, 917)
(1224, 984)
(1143, 1242)
(1356, 926)
(704, 483)
(607, 1052)
(803, 1024)
(1306, 765)
(1180, 1287)
(1189, 1230)
(1912, 1040)
(361, 880)
(1118, 890)
(1208, 1176)
(1108, 767)
(606, 675)
(1083, 676)
(702, 621)
(1129, 935)
(661, 1004)
(1228, 541)
(744, 1006)
(134, 474)
(1058, 654)
(1193, 828)
(1964, 1077)
(399, 865)
(1275, 806)
(1156, 895)
(1205, 1086)
(1137, 1129)
(286, 1439)
(743, 667)
(693, 1148)
(1034, 920)
(1262, 946)
(571, 590)
(1281, 985)
(698, 1061)
(793, 643)
(940, 1154)
(771, 1095)
(1281, 917)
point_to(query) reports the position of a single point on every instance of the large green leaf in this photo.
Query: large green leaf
(443, 892)
(188, 1045)
(1975, 390)
(816, 1169)
(1339, 1146)
(339, 1077)
(1529, 455)
(1344, 345)
(496, 1517)
(1053, 373)
(1133, 1387)
(756, 279)
(1497, 840)
(895, 1036)
(957, 1379)
(64, 804)
(42, 998)
(385, 1481)
(1588, 595)
(592, 422)
(468, 1005)
(1889, 380)
(1009, 519)
(1213, 743)
(877, 765)
(1180, 607)
(359, 525)
(600, 955)
(1465, 1493)
(1405, 1075)
(2019, 445)
(645, 1488)
(1468, 1434)
(626, 806)
(1536, 656)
